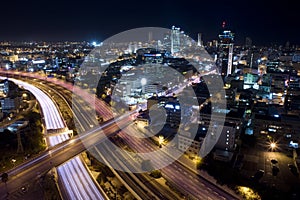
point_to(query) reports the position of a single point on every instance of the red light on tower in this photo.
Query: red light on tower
(223, 24)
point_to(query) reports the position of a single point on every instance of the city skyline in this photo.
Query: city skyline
(265, 23)
(246, 123)
(149, 100)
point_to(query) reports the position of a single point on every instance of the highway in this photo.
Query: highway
(52, 116)
(191, 184)
(77, 181)
(76, 187)
(145, 186)
(59, 154)
(94, 136)
(130, 180)
(136, 183)
(85, 122)
(82, 194)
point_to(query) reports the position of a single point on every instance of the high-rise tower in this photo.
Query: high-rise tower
(175, 39)
(226, 41)
(200, 43)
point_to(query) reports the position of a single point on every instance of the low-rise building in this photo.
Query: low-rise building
(9, 105)
(191, 144)
(171, 106)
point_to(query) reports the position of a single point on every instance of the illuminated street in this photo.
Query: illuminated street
(156, 100)
(71, 184)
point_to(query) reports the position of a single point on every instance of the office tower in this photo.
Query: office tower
(175, 39)
(226, 39)
(200, 43)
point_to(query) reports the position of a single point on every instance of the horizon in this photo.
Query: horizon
(264, 22)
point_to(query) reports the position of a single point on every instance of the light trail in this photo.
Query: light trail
(75, 176)
(90, 134)
(52, 116)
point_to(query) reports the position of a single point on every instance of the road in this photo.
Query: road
(52, 116)
(90, 138)
(77, 181)
(54, 121)
(131, 181)
(85, 122)
(140, 183)
(59, 154)
(208, 190)
(129, 178)
(190, 184)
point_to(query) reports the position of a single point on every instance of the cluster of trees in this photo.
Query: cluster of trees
(31, 136)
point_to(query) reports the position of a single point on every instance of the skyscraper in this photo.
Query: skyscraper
(226, 40)
(175, 39)
(200, 43)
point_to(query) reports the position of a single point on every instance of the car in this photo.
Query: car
(288, 135)
(24, 189)
(293, 169)
(274, 161)
(258, 175)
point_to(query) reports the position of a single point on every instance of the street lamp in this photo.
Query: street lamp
(160, 140)
(13, 162)
(273, 146)
(24, 96)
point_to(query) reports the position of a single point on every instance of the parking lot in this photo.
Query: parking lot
(259, 159)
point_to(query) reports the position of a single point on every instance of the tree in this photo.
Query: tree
(6, 138)
(33, 117)
(4, 178)
(156, 174)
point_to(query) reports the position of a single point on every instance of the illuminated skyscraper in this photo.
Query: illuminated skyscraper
(175, 39)
(200, 43)
(226, 40)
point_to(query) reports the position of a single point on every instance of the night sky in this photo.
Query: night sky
(59, 20)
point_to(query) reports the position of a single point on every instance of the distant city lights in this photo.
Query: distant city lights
(143, 81)
(95, 44)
